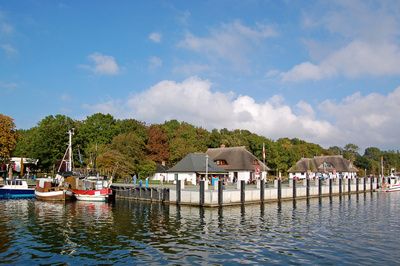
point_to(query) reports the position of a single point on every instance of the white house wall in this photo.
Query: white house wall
(331, 175)
(190, 177)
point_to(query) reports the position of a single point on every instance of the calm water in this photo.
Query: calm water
(353, 230)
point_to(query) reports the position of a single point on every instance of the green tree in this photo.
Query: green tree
(109, 159)
(50, 140)
(8, 137)
(350, 151)
(147, 168)
(362, 162)
(131, 147)
(134, 126)
(335, 150)
(98, 128)
(373, 153)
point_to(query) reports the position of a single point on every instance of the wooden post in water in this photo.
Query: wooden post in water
(178, 191)
(319, 187)
(262, 190)
(242, 193)
(330, 186)
(201, 200)
(279, 189)
(371, 180)
(349, 185)
(365, 185)
(357, 184)
(220, 195)
(307, 187)
(340, 186)
(294, 189)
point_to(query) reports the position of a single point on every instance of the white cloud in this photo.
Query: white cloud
(155, 37)
(8, 49)
(192, 69)
(103, 64)
(155, 62)
(229, 42)
(65, 97)
(369, 121)
(9, 87)
(112, 106)
(361, 38)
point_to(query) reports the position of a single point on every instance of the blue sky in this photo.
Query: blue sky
(327, 72)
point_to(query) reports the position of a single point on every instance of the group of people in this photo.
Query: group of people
(140, 183)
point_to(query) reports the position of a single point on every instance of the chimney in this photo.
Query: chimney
(222, 146)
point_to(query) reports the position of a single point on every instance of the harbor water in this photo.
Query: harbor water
(357, 229)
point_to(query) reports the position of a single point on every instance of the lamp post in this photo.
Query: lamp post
(206, 168)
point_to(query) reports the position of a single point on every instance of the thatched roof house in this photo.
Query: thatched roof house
(334, 165)
(193, 165)
(238, 161)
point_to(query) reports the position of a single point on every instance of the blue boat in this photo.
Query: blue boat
(16, 188)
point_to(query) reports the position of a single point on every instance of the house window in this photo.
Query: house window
(221, 162)
(255, 162)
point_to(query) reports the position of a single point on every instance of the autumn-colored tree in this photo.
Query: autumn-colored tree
(131, 147)
(8, 136)
(109, 159)
(157, 144)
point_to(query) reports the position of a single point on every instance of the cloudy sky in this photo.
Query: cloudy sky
(327, 72)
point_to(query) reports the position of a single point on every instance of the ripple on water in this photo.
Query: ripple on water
(339, 230)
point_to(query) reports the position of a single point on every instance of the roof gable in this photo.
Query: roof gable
(196, 162)
(237, 158)
(322, 164)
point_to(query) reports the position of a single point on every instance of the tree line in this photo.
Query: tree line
(138, 147)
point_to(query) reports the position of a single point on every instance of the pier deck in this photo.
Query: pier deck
(241, 193)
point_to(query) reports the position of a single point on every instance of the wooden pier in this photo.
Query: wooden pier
(219, 196)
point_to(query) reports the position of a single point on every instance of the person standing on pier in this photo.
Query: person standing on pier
(134, 179)
(147, 181)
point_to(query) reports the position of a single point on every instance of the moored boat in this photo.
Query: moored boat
(93, 188)
(16, 188)
(57, 189)
(49, 189)
(392, 183)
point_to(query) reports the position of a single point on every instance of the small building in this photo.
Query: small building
(334, 166)
(193, 167)
(239, 162)
(161, 172)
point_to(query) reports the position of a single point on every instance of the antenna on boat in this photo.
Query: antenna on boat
(69, 162)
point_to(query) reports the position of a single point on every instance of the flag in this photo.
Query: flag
(264, 151)
(79, 152)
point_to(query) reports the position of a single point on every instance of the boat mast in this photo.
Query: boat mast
(69, 162)
(70, 149)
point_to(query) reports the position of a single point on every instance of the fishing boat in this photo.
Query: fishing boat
(16, 188)
(392, 182)
(93, 188)
(57, 189)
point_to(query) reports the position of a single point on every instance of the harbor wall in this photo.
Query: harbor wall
(219, 196)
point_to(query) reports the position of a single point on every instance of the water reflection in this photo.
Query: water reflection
(335, 230)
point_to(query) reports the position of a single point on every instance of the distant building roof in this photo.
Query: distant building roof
(236, 158)
(196, 162)
(161, 168)
(323, 163)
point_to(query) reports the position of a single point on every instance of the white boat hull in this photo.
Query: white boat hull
(58, 195)
(91, 197)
